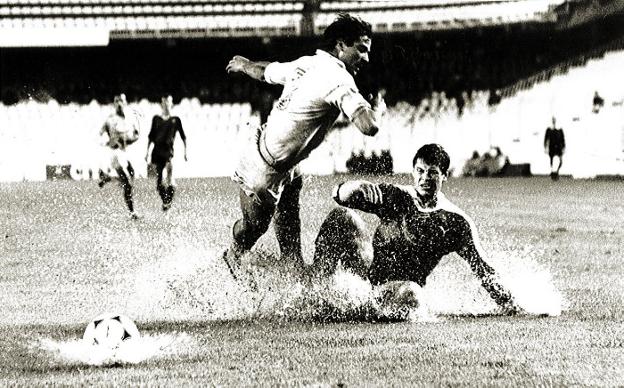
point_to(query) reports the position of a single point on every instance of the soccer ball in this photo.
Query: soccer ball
(110, 330)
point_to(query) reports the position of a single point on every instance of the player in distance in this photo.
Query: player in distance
(317, 89)
(120, 130)
(161, 137)
(418, 226)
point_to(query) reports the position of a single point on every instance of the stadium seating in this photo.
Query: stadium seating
(191, 18)
(35, 134)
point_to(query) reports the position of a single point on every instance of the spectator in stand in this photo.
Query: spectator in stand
(472, 165)
(492, 163)
(598, 102)
(554, 145)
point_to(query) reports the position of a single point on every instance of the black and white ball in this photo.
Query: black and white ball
(110, 330)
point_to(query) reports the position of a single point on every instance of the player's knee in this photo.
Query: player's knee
(342, 239)
(401, 294)
(246, 232)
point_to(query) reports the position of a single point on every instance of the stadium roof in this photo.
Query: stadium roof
(95, 22)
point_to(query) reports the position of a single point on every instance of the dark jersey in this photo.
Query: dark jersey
(162, 134)
(554, 140)
(410, 242)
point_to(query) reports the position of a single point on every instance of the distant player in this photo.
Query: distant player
(554, 145)
(162, 136)
(418, 226)
(120, 130)
(317, 89)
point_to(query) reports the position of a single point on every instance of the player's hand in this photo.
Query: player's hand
(512, 309)
(370, 192)
(185, 157)
(237, 64)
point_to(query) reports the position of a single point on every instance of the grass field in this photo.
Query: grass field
(68, 251)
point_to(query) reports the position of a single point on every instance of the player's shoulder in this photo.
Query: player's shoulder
(454, 211)
(332, 69)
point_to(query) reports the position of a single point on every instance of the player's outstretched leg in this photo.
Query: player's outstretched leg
(168, 194)
(126, 185)
(287, 225)
(247, 230)
(159, 181)
(342, 239)
(104, 178)
(168, 188)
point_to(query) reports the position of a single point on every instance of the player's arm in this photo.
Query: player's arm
(253, 69)
(358, 194)
(367, 121)
(150, 139)
(363, 115)
(183, 137)
(104, 134)
(149, 149)
(489, 280)
(136, 128)
(383, 200)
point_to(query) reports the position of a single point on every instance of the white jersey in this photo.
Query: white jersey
(317, 89)
(121, 129)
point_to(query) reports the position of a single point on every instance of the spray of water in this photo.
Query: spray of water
(194, 284)
(129, 352)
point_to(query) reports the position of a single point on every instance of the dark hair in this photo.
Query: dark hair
(434, 155)
(346, 28)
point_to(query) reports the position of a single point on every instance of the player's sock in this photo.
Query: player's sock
(161, 192)
(168, 198)
(104, 178)
(127, 188)
(170, 193)
(131, 171)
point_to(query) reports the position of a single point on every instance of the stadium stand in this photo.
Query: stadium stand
(440, 78)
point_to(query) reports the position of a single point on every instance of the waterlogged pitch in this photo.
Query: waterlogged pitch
(68, 252)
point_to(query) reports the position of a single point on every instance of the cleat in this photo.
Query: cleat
(134, 216)
(243, 277)
(104, 180)
(233, 264)
(166, 206)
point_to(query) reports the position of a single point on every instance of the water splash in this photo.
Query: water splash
(129, 352)
(194, 284)
(453, 289)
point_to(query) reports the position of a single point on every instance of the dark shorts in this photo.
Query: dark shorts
(161, 159)
(555, 152)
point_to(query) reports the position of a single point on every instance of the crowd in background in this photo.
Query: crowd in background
(445, 70)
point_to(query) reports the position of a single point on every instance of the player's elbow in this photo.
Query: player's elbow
(366, 123)
(371, 130)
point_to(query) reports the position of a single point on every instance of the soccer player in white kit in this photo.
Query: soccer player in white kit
(317, 89)
(120, 130)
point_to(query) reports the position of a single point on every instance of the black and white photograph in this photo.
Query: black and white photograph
(312, 193)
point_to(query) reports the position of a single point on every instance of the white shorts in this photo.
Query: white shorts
(257, 178)
(119, 159)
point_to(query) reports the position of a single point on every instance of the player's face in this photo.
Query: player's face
(167, 104)
(427, 178)
(120, 103)
(355, 56)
